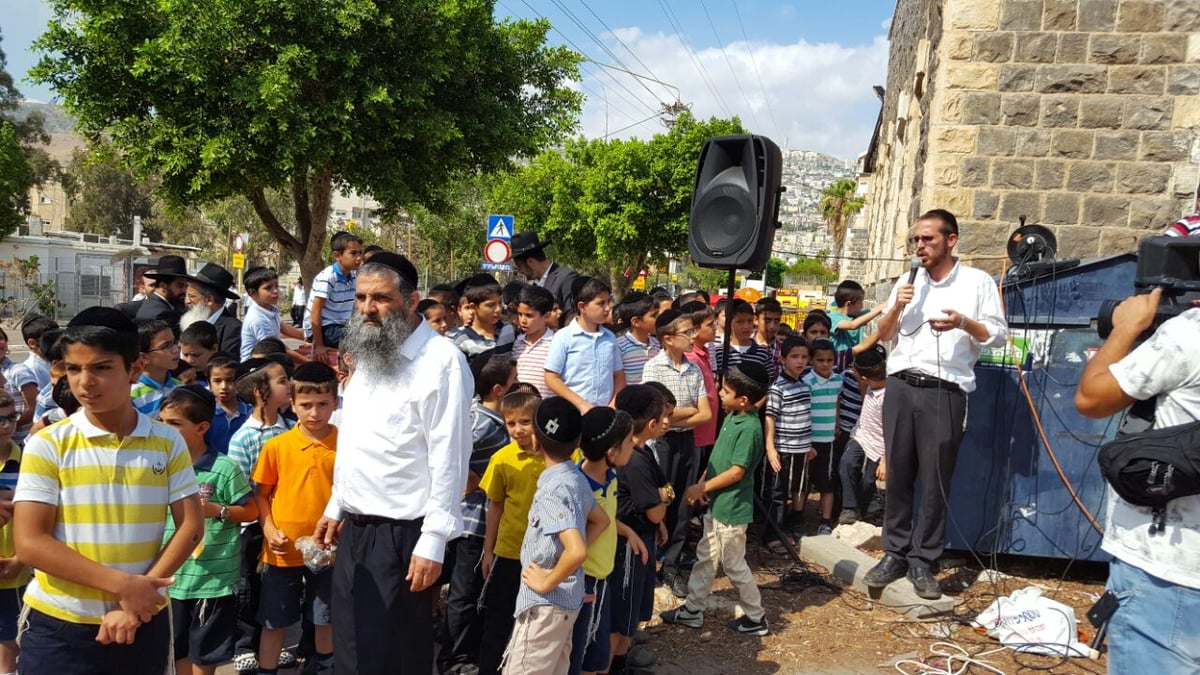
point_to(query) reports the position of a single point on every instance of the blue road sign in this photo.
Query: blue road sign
(496, 267)
(499, 227)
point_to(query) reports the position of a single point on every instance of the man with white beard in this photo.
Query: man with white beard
(401, 469)
(207, 292)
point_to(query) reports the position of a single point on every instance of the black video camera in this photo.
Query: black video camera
(1169, 263)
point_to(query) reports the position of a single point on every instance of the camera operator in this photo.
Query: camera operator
(1155, 577)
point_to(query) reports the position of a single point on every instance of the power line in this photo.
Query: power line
(638, 123)
(677, 27)
(754, 62)
(599, 42)
(616, 37)
(729, 63)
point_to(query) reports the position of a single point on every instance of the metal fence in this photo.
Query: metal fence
(86, 281)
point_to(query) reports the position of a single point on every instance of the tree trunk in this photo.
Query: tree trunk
(311, 205)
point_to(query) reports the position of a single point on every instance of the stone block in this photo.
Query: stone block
(975, 171)
(958, 202)
(973, 15)
(1097, 15)
(1068, 79)
(950, 105)
(1187, 113)
(996, 141)
(1019, 110)
(1184, 182)
(1060, 111)
(984, 239)
(1036, 47)
(1147, 113)
(1034, 142)
(1193, 48)
(1166, 146)
(986, 204)
(1136, 80)
(972, 76)
(1059, 15)
(1012, 174)
(981, 108)
(1049, 174)
(1119, 145)
(1114, 240)
(1071, 144)
(1021, 15)
(959, 45)
(1114, 48)
(993, 47)
(946, 171)
(1181, 16)
(1013, 205)
(1061, 208)
(1183, 80)
(1163, 48)
(1016, 78)
(1090, 176)
(1101, 112)
(1143, 177)
(1140, 16)
(1076, 241)
(1106, 210)
(1153, 213)
(954, 140)
(1072, 48)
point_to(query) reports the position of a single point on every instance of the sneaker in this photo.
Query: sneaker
(245, 662)
(679, 586)
(848, 517)
(825, 528)
(287, 659)
(683, 616)
(747, 627)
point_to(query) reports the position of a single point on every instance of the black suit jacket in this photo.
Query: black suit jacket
(156, 307)
(229, 334)
(558, 281)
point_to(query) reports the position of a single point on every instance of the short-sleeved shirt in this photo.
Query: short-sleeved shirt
(850, 403)
(585, 361)
(789, 404)
(472, 343)
(562, 502)
(602, 553)
(684, 381)
(844, 340)
(45, 401)
(638, 483)
(111, 494)
(1188, 226)
(531, 360)
(755, 353)
(488, 435)
(634, 355)
(213, 570)
(825, 393)
(869, 431)
(511, 480)
(39, 367)
(247, 442)
(740, 443)
(148, 394)
(16, 378)
(301, 471)
(706, 433)
(225, 425)
(258, 324)
(9, 474)
(337, 289)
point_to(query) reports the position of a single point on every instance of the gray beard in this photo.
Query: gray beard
(195, 314)
(375, 350)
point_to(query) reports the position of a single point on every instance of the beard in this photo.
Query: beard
(373, 343)
(195, 314)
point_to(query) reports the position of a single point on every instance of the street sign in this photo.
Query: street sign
(239, 244)
(495, 267)
(498, 249)
(499, 227)
(239, 261)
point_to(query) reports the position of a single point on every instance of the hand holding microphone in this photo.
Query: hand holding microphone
(904, 294)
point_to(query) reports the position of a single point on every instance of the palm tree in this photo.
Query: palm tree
(838, 205)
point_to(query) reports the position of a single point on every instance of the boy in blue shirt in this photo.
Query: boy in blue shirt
(584, 364)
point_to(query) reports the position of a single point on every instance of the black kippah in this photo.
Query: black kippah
(315, 372)
(106, 317)
(398, 264)
(559, 420)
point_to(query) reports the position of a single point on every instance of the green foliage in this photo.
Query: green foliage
(775, 271)
(107, 194)
(393, 98)
(612, 204)
(22, 165)
(806, 269)
(40, 296)
(838, 205)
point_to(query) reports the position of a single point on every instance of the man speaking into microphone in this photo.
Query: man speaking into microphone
(941, 317)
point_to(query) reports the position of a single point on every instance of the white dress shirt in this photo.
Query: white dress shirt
(405, 440)
(950, 355)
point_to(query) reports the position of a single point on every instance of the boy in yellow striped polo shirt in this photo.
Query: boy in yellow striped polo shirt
(89, 516)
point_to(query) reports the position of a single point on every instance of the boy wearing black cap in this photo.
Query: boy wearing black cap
(563, 512)
(863, 462)
(97, 546)
(728, 487)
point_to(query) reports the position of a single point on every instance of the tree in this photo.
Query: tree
(775, 271)
(106, 195)
(22, 164)
(612, 204)
(811, 271)
(393, 98)
(838, 205)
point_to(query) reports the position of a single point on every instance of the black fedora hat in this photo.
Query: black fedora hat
(215, 277)
(169, 267)
(525, 243)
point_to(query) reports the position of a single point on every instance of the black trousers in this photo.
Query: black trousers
(379, 625)
(248, 630)
(780, 487)
(463, 620)
(922, 429)
(681, 470)
(858, 477)
(499, 603)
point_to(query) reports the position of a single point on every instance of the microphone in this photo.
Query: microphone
(914, 264)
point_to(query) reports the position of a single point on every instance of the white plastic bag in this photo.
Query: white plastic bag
(1026, 621)
(316, 558)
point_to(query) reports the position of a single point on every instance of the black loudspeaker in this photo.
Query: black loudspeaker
(735, 209)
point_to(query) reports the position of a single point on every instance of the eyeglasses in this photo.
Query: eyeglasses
(924, 239)
(9, 420)
(173, 344)
(691, 332)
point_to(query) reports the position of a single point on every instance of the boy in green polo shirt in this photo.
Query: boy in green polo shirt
(728, 486)
(204, 595)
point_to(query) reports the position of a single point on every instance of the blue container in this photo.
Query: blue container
(1006, 495)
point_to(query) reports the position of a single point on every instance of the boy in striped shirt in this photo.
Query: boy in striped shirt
(638, 314)
(88, 515)
(534, 305)
(160, 357)
(788, 425)
(825, 386)
(332, 297)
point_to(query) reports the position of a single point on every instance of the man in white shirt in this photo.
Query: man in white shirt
(941, 321)
(1155, 575)
(401, 470)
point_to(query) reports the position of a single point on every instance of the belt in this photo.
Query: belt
(361, 519)
(919, 379)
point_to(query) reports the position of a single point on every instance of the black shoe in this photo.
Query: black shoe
(888, 570)
(924, 583)
(679, 586)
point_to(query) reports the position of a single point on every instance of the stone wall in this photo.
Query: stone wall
(1082, 115)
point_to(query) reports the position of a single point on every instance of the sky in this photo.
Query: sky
(799, 72)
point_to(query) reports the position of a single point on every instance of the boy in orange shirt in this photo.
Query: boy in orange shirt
(294, 478)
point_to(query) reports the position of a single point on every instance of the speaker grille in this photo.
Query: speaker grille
(723, 220)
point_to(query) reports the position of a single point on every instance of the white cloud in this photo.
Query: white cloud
(818, 96)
